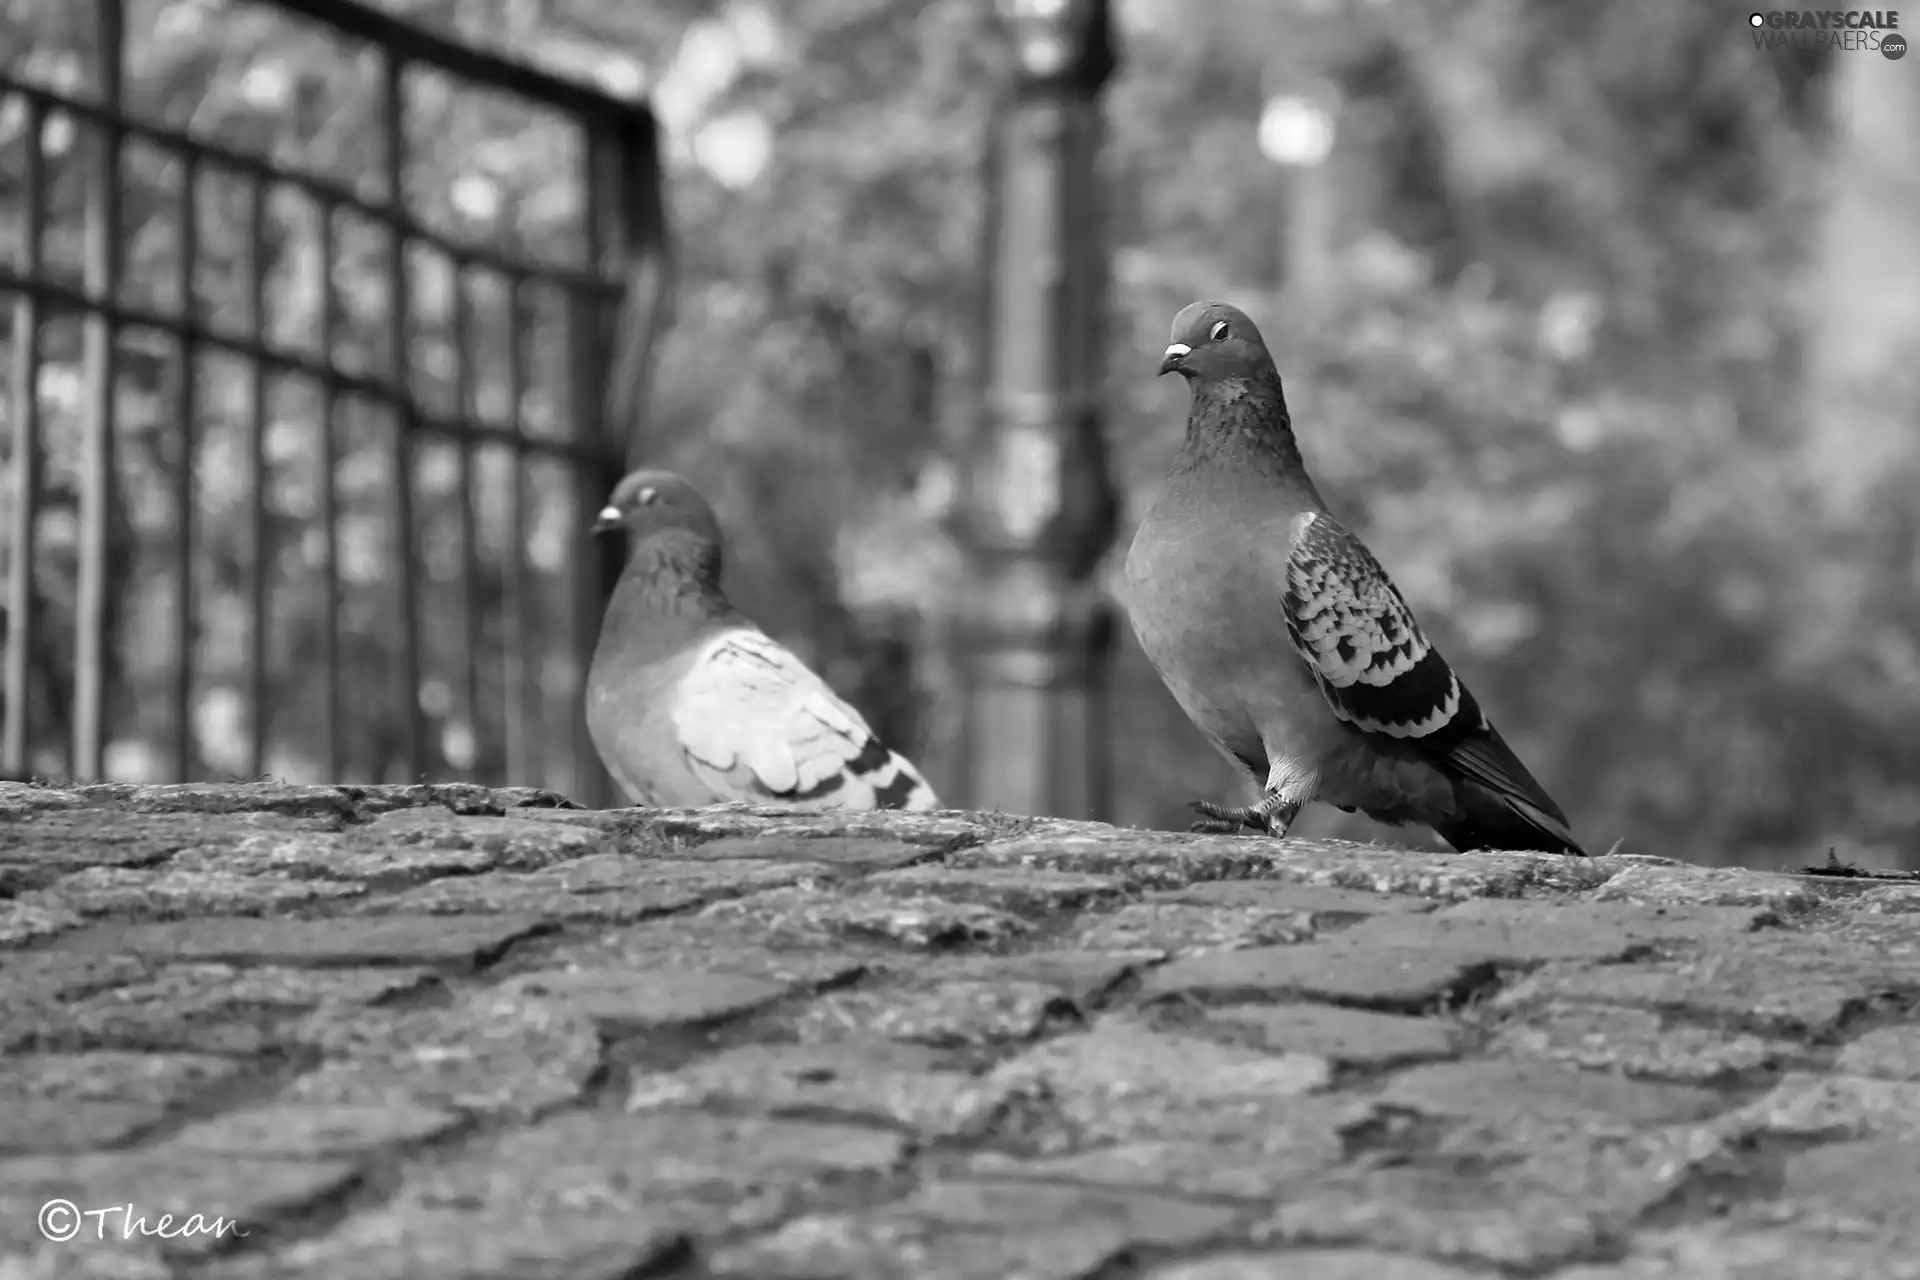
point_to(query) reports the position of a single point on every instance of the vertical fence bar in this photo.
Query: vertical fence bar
(102, 275)
(413, 729)
(518, 634)
(259, 537)
(329, 504)
(588, 569)
(566, 699)
(185, 371)
(645, 265)
(16, 739)
(627, 228)
(469, 588)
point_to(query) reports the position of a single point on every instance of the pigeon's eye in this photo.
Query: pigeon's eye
(647, 497)
(1219, 331)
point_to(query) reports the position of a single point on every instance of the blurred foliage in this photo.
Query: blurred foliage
(1568, 376)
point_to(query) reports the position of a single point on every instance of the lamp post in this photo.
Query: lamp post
(1296, 132)
(1040, 507)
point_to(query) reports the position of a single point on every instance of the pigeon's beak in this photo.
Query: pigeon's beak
(1175, 357)
(608, 521)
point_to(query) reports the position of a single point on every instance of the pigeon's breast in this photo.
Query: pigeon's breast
(1197, 582)
(629, 715)
(1205, 598)
(1199, 598)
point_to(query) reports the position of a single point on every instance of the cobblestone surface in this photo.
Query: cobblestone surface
(438, 1032)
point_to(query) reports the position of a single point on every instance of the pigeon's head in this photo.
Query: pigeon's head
(1214, 340)
(646, 504)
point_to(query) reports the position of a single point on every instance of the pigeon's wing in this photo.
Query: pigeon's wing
(755, 723)
(1380, 675)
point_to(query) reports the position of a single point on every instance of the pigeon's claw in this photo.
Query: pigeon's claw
(1226, 820)
(1270, 817)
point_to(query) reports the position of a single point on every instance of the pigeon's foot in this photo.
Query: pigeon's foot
(1225, 820)
(1271, 816)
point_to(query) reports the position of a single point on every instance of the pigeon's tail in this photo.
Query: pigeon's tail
(1500, 806)
(906, 789)
(898, 785)
(1489, 820)
(876, 778)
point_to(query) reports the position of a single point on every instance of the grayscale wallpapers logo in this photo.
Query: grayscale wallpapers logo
(1818, 30)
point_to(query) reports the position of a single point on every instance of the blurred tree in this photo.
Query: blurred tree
(1859, 629)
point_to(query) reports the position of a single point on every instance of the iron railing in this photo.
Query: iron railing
(615, 303)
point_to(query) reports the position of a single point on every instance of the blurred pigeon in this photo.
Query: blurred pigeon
(1286, 643)
(691, 704)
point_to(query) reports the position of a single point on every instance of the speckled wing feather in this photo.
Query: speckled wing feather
(754, 723)
(1350, 622)
(1379, 673)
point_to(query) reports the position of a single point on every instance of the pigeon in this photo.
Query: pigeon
(1286, 643)
(690, 704)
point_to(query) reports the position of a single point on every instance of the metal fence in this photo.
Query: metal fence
(612, 302)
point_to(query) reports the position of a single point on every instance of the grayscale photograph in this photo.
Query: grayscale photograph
(959, 640)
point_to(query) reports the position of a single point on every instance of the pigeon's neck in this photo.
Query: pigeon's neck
(1242, 424)
(672, 575)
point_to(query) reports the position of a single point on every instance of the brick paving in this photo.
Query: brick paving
(435, 1032)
